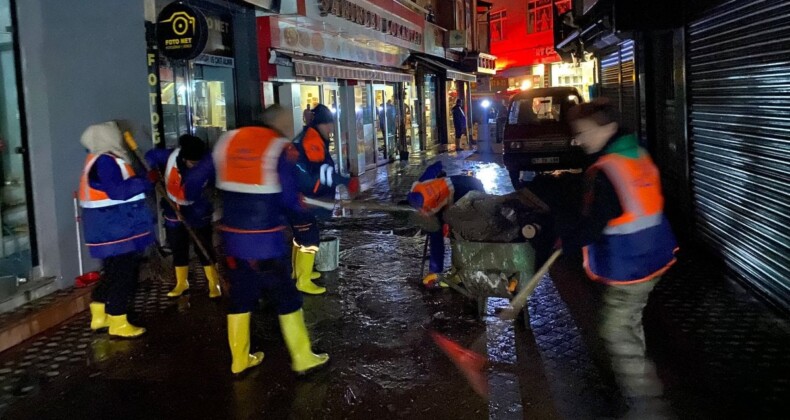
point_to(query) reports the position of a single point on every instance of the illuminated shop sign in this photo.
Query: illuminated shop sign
(358, 14)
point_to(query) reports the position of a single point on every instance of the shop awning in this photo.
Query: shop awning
(350, 71)
(452, 73)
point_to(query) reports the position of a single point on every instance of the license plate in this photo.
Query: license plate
(546, 160)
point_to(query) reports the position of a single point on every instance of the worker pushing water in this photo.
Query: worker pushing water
(118, 225)
(317, 178)
(188, 173)
(256, 174)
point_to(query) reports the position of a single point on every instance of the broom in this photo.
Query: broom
(472, 364)
(160, 188)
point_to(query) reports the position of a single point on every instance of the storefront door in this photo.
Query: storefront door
(16, 237)
(197, 99)
(411, 103)
(430, 107)
(338, 148)
(385, 117)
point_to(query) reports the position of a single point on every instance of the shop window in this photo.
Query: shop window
(498, 25)
(197, 98)
(540, 16)
(310, 97)
(17, 253)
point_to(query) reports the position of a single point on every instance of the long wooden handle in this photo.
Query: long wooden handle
(160, 188)
(518, 302)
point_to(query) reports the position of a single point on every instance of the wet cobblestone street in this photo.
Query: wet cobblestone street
(720, 352)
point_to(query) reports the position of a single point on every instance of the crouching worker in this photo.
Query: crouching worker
(118, 225)
(256, 177)
(317, 178)
(627, 244)
(188, 171)
(432, 194)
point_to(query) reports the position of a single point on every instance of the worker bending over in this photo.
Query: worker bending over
(118, 225)
(317, 178)
(432, 194)
(256, 176)
(188, 175)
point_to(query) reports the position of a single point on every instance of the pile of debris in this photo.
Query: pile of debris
(481, 217)
(498, 240)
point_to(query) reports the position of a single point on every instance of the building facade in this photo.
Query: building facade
(522, 38)
(383, 67)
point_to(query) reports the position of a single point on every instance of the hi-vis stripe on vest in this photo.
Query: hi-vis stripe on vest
(91, 198)
(638, 186)
(246, 160)
(175, 188)
(436, 193)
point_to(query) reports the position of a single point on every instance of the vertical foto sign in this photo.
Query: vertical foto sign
(155, 97)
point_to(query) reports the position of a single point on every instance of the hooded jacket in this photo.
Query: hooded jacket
(116, 218)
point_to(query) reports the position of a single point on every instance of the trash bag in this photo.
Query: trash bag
(485, 269)
(480, 217)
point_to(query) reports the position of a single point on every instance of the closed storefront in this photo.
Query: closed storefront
(618, 81)
(739, 123)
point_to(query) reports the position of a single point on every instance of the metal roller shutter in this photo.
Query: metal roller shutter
(618, 82)
(739, 128)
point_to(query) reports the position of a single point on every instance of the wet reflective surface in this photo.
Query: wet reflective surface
(720, 353)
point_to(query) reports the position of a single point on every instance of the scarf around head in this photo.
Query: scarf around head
(104, 138)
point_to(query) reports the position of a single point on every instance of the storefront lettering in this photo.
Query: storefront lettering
(360, 15)
(215, 24)
(154, 97)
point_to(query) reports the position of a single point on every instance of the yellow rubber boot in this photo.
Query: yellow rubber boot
(214, 290)
(98, 316)
(182, 284)
(120, 327)
(239, 340)
(298, 342)
(304, 267)
(315, 275)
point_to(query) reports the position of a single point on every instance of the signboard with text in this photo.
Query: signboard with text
(181, 31)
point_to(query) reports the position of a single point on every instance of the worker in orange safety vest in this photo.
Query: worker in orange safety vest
(118, 225)
(627, 243)
(256, 176)
(189, 177)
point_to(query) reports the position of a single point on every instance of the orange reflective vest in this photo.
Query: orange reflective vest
(436, 194)
(246, 160)
(638, 245)
(91, 198)
(173, 181)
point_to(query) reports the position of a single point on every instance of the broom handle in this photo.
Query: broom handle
(79, 234)
(518, 302)
(358, 205)
(160, 188)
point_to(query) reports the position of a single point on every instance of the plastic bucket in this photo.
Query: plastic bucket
(328, 256)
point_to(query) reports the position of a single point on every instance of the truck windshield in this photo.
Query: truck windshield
(538, 109)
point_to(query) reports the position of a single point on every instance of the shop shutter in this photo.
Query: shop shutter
(618, 82)
(739, 128)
